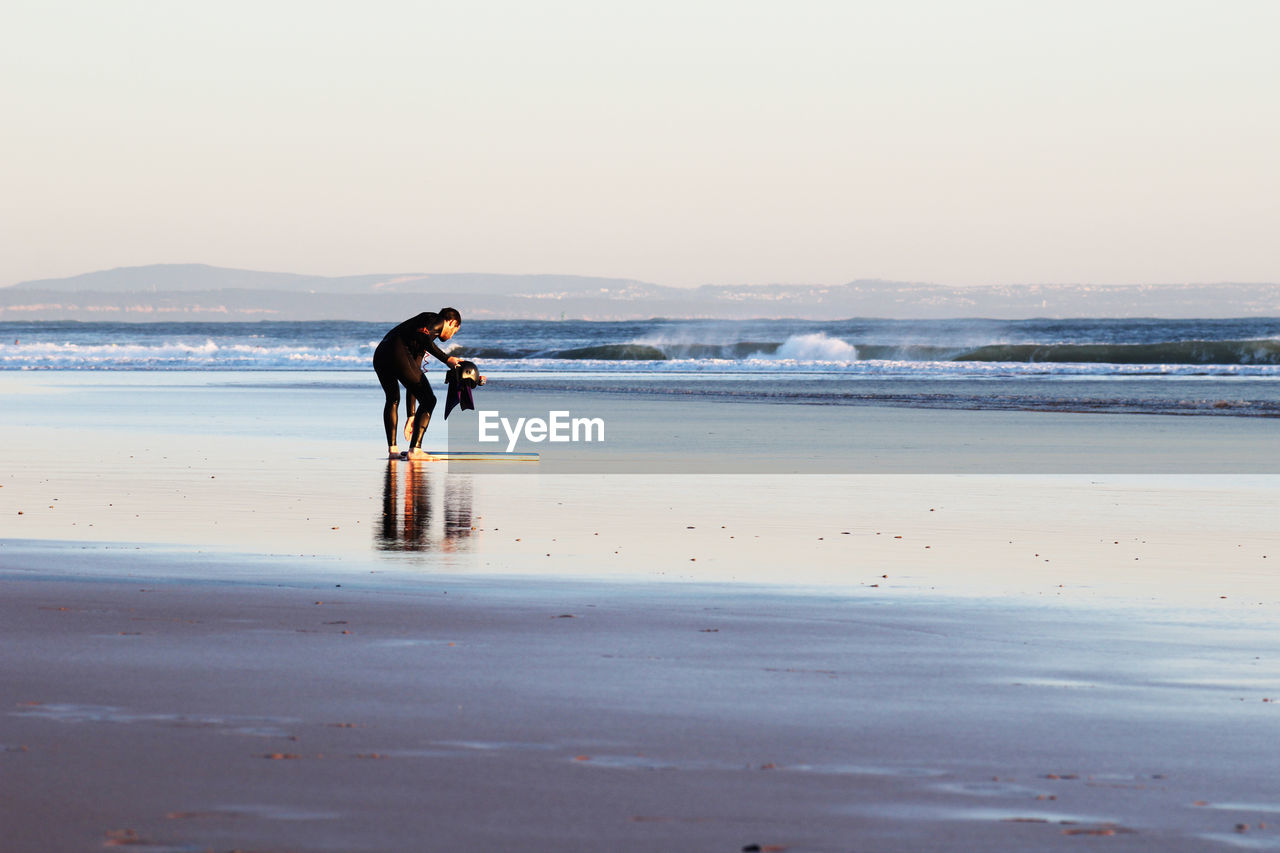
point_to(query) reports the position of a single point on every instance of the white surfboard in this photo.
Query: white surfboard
(475, 456)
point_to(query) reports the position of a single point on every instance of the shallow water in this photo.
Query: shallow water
(290, 465)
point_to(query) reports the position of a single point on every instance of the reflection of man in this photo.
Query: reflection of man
(398, 361)
(407, 522)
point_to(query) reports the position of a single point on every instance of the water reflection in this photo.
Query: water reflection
(424, 508)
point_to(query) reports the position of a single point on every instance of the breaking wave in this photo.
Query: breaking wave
(176, 355)
(816, 347)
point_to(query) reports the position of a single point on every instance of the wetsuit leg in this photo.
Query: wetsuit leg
(426, 405)
(389, 408)
(410, 406)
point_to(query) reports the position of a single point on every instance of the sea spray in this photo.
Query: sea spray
(815, 346)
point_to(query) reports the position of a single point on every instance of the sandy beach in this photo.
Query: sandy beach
(864, 421)
(219, 636)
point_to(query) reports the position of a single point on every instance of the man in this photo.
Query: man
(398, 361)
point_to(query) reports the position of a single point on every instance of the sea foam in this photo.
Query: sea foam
(815, 346)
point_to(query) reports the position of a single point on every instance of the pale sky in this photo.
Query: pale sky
(682, 143)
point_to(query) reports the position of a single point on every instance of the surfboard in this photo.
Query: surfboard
(476, 456)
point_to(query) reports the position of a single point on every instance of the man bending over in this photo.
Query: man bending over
(398, 361)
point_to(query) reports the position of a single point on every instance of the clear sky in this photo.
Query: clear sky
(689, 142)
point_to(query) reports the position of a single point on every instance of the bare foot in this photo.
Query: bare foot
(393, 452)
(417, 454)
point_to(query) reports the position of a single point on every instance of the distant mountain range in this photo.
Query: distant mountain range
(174, 292)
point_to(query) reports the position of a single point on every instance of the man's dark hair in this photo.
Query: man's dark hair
(448, 314)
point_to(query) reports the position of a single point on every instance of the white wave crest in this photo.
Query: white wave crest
(813, 347)
(171, 354)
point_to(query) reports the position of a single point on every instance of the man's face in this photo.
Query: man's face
(449, 329)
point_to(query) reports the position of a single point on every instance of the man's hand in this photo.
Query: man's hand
(453, 361)
(481, 380)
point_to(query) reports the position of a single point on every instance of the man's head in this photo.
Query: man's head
(452, 320)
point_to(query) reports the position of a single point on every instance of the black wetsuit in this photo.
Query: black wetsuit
(398, 361)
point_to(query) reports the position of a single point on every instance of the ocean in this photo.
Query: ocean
(1147, 366)
(1244, 347)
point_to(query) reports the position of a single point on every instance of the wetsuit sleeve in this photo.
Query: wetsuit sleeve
(434, 349)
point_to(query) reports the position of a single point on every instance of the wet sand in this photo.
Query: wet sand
(538, 715)
(213, 641)
(542, 715)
